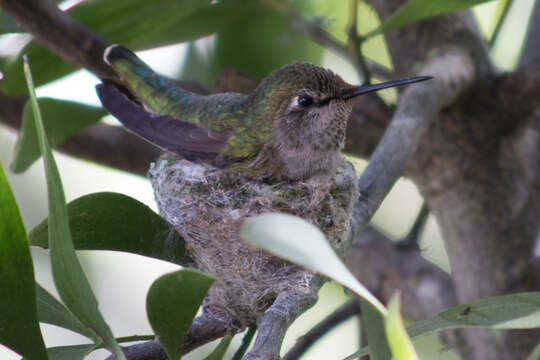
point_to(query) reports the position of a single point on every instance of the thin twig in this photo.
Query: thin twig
(58, 32)
(412, 239)
(344, 312)
(318, 34)
(246, 341)
(419, 106)
(134, 338)
(355, 44)
(500, 23)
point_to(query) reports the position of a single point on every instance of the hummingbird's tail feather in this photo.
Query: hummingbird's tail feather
(188, 140)
(159, 93)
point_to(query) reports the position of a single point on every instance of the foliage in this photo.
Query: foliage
(254, 39)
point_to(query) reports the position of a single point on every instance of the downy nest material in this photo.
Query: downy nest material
(208, 211)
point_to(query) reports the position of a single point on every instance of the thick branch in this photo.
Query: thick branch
(275, 321)
(384, 267)
(419, 106)
(203, 330)
(58, 32)
(531, 50)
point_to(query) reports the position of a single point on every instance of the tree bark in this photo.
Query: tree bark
(478, 169)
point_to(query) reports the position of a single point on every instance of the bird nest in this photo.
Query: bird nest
(208, 209)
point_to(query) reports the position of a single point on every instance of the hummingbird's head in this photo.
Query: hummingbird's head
(310, 104)
(302, 100)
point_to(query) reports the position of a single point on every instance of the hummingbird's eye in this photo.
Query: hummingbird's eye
(305, 100)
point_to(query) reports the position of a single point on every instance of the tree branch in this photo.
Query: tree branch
(383, 267)
(318, 34)
(531, 50)
(58, 32)
(303, 344)
(203, 330)
(412, 239)
(275, 321)
(419, 105)
(354, 44)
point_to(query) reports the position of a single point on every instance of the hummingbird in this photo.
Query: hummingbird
(291, 127)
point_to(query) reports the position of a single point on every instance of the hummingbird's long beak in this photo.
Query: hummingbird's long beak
(364, 89)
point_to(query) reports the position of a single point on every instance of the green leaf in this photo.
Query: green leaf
(113, 221)
(62, 119)
(220, 350)
(71, 352)
(263, 41)
(415, 10)
(19, 327)
(52, 311)
(373, 323)
(516, 311)
(399, 340)
(69, 278)
(286, 236)
(137, 24)
(333, 15)
(172, 303)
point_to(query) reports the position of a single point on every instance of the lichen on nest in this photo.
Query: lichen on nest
(207, 209)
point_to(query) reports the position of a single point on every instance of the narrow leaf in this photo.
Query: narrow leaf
(19, 327)
(298, 241)
(52, 311)
(113, 221)
(68, 274)
(71, 352)
(172, 303)
(62, 119)
(220, 350)
(373, 323)
(515, 311)
(415, 10)
(399, 340)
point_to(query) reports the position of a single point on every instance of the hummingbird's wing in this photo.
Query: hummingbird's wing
(188, 140)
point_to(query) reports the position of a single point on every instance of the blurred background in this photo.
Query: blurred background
(121, 280)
